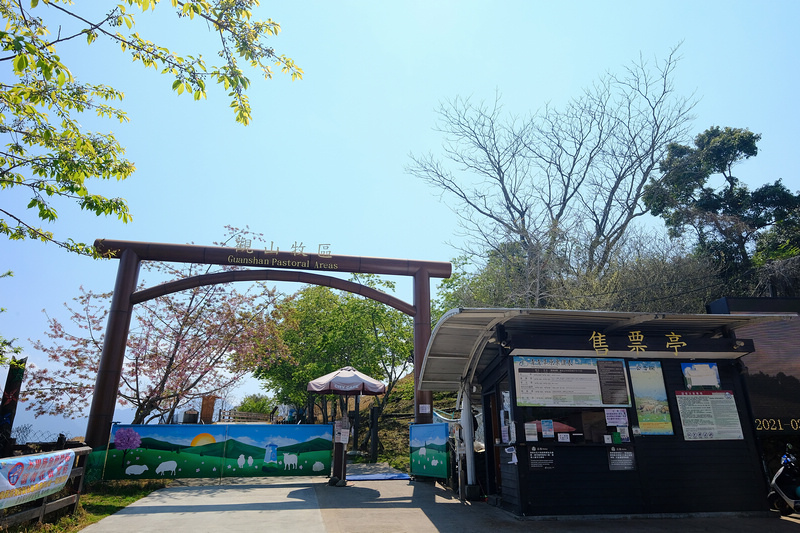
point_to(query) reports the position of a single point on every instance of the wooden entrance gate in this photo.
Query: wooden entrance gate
(291, 267)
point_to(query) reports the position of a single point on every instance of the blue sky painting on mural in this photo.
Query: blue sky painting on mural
(324, 159)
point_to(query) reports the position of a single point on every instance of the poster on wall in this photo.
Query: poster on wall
(429, 455)
(621, 458)
(701, 376)
(709, 415)
(571, 382)
(215, 451)
(541, 458)
(650, 398)
(27, 478)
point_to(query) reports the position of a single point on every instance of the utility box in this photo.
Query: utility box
(190, 416)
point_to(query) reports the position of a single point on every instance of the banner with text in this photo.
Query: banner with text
(30, 477)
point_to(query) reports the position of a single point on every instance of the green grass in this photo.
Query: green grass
(98, 501)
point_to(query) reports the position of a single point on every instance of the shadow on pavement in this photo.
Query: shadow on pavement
(422, 506)
(311, 505)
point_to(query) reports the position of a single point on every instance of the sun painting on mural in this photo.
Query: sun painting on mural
(202, 439)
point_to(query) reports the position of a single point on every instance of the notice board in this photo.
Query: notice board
(571, 382)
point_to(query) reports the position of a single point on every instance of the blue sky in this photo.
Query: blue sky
(323, 160)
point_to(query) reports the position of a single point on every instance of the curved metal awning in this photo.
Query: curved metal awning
(464, 340)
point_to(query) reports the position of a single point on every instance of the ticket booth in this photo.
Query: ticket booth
(604, 412)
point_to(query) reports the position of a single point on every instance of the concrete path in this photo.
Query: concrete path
(310, 505)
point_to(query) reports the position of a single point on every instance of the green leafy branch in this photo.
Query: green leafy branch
(45, 148)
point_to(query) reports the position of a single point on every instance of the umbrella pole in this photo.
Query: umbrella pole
(340, 454)
(345, 418)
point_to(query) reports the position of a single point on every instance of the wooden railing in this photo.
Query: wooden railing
(44, 507)
(242, 416)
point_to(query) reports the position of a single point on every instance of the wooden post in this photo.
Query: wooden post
(423, 400)
(104, 400)
(373, 429)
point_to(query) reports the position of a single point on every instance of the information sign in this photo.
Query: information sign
(571, 382)
(621, 457)
(541, 458)
(709, 415)
(650, 396)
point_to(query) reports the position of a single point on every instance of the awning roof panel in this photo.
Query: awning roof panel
(459, 348)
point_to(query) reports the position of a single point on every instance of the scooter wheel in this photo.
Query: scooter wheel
(779, 504)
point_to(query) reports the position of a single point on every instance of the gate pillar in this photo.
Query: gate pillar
(423, 400)
(109, 372)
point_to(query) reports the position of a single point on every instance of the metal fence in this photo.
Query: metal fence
(25, 434)
(234, 416)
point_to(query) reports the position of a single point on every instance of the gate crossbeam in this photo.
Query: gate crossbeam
(272, 275)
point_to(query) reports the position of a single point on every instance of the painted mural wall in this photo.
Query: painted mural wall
(429, 455)
(213, 451)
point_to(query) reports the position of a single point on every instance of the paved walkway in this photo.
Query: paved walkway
(310, 505)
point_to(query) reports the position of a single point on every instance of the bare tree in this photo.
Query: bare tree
(779, 278)
(563, 185)
(649, 272)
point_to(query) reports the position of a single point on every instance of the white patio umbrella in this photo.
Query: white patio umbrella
(346, 381)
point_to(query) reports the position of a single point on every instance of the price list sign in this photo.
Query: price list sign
(571, 382)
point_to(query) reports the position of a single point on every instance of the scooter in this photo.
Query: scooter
(784, 494)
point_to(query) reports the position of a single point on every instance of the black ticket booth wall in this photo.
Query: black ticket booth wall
(671, 475)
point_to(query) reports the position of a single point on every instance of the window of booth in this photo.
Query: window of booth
(573, 400)
(576, 425)
(506, 422)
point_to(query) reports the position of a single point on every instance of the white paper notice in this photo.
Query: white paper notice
(709, 415)
(531, 432)
(616, 417)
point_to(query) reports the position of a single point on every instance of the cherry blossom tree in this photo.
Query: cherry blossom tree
(181, 347)
(126, 439)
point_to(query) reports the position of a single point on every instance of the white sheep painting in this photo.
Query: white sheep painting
(167, 466)
(289, 461)
(136, 470)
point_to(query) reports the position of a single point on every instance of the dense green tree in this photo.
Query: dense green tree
(46, 151)
(325, 330)
(257, 403)
(777, 258)
(727, 220)
(781, 241)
